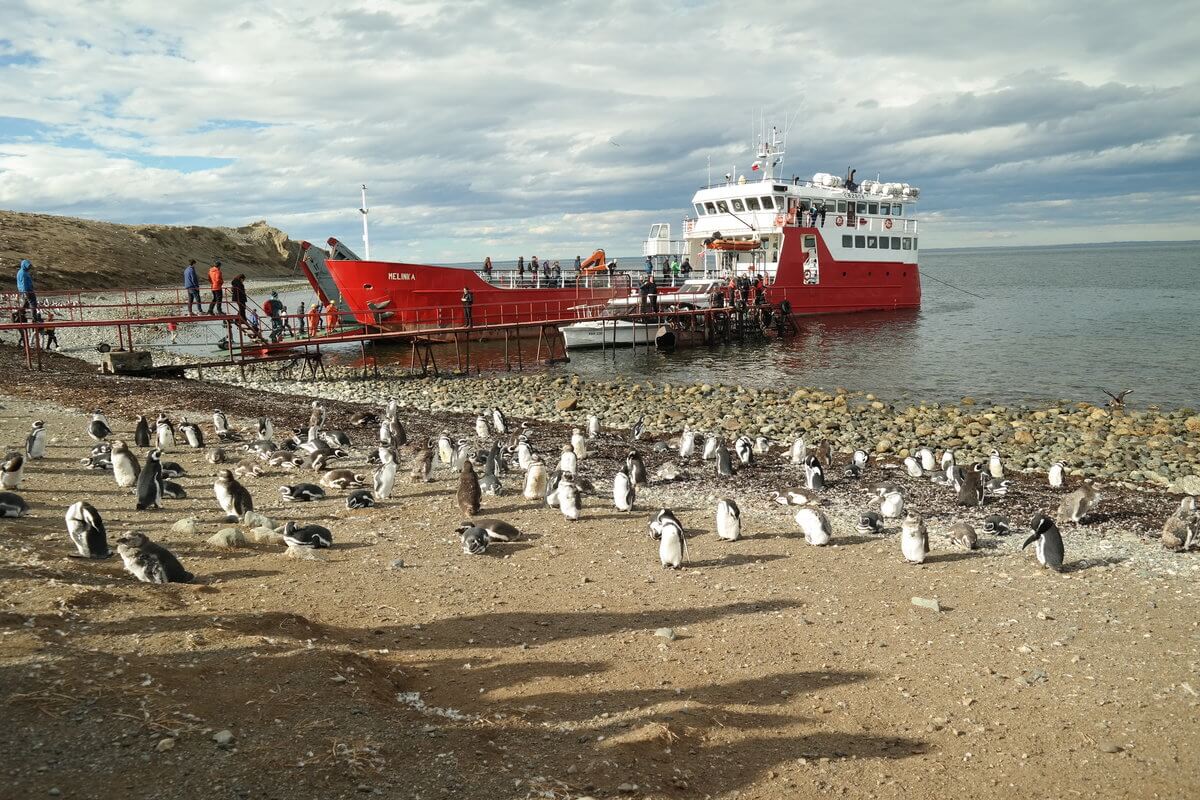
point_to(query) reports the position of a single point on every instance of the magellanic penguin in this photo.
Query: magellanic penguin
(729, 520)
(825, 453)
(360, 498)
(220, 423)
(687, 443)
(499, 423)
(569, 501)
(125, 464)
(593, 426)
(1181, 531)
(724, 462)
(481, 426)
(814, 473)
(1057, 474)
(35, 442)
(579, 443)
(469, 494)
(314, 537)
(422, 465)
(1077, 504)
(995, 465)
(928, 462)
(445, 448)
(141, 432)
(385, 475)
(192, 434)
(232, 497)
(535, 480)
(550, 493)
(672, 546)
(914, 538)
(86, 529)
(963, 535)
(858, 464)
(636, 469)
(971, 492)
(12, 470)
(639, 428)
(302, 493)
(12, 505)
(1049, 542)
(913, 468)
(815, 526)
(796, 497)
(711, 444)
(150, 482)
(164, 432)
(316, 417)
(624, 493)
(343, 479)
(762, 445)
(497, 529)
(364, 419)
(891, 504)
(214, 455)
(265, 428)
(870, 522)
(489, 484)
(996, 524)
(173, 491)
(663, 516)
(997, 487)
(743, 446)
(525, 453)
(475, 540)
(150, 562)
(98, 427)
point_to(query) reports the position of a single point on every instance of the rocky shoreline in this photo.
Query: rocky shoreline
(1133, 448)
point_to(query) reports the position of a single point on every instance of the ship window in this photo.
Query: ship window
(884, 243)
(768, 204)
(906, 243)
(752, 204)
(860, 241)
(710, 208)
(737, 204)
(872, 208)
(897, 210)
(699, 210)
(810, 242)
(872, 242)
(895, 242)
(724, 209)
(847, 241)
(885, 209)
(862, 208)
(914, 243)
(841, 206)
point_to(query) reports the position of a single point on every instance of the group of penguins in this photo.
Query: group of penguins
(557, 483)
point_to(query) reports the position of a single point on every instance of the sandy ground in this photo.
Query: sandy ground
(535, 670)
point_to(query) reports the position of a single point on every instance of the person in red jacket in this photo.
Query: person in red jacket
(314, 318)
(331, 317)
(216, 282)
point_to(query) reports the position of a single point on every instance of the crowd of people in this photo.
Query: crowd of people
(537, 273)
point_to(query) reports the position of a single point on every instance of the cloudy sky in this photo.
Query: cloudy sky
(525, 127)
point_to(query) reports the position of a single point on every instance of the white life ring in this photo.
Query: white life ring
(887, 223)
(839, 221)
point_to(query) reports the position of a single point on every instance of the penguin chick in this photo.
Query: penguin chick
(569, 501)
(963, 535)
(12, 471)
(729, 520)
(870, 522)
(469, 494)
(815, 526)
(1077, 504)
(796, 497)
(914, 538)
(232, 497)
(150, 562)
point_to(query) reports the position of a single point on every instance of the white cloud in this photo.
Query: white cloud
(482, 126)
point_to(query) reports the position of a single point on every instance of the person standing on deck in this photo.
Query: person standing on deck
(314, 318)
(49, 332)
(652, 291)
(191, 285)
(468, 300)
(557, 274)
(237, 294)
(520, 270)
(649, 265)
(487, 269)
(301, 323)
(274, 309)
(331, 318)
(578, 264)
(216, 282)
(821, 213)
(25, 293)
(685, 269)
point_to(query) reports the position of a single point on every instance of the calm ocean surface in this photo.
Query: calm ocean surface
(1053, 323)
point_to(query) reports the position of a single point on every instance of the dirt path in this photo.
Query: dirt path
(535, 670)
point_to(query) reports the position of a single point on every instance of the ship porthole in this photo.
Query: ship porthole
(843, 274)
(368, 286)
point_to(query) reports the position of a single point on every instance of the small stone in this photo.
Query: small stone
(925, 602)
(187, 526)
(567, 403)
(1024, 649)
(1110, 747)
(55, 792)
(666, 633)
(223, 738)
(228, 537)
(396, 564)
(627, 788)
(338, 679)
(164, 744)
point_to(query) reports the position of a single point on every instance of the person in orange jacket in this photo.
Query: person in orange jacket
(314, 318)
(217, 282)
(331, 317)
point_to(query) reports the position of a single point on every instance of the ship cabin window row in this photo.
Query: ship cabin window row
(880, 242)
(764, 203)
(770, 203)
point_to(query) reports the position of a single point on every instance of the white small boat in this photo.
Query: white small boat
(613, 327)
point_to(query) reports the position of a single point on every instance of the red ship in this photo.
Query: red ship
(826, 245)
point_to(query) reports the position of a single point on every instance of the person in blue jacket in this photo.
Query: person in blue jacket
(25, 291)
(191, 285)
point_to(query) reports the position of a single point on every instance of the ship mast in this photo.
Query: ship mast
(770, 153)
(366, 237)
